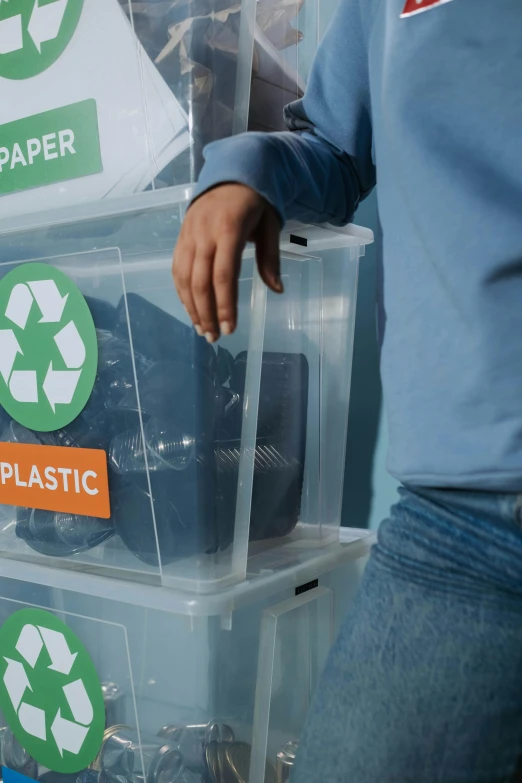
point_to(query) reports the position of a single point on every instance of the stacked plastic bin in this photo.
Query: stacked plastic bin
(172, 573)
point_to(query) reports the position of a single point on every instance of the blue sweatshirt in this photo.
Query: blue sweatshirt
(430, 104)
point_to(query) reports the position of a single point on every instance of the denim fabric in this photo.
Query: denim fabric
(424, 683)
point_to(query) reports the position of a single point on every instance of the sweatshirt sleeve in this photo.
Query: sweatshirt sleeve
(322, 167)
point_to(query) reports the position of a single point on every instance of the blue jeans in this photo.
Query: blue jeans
(424, 683)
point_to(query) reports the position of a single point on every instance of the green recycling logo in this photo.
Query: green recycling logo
(50, 692)
(48, 348)
(34, 33)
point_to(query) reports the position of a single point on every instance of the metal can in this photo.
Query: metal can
(113, 697)
(236, 768)
(285, 761)
(97, 764)
(192, 741)
(129, 757)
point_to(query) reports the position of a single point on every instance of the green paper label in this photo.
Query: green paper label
(50, 692)
(34, 33)
(48, 348)
(54, 146)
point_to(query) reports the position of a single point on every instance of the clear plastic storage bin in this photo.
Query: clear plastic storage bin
(105, 98)
(213, 453)
(209, 689)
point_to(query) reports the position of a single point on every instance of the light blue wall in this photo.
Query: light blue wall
(369, 490)
(384, 486)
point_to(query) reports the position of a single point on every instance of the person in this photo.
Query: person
(424, 683)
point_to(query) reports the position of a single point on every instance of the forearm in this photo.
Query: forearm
(301, 175)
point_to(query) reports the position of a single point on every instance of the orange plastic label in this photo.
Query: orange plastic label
(55, 478)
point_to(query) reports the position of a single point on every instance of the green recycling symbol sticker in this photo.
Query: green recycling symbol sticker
(48, 347)
(34, 33)
(50, 692)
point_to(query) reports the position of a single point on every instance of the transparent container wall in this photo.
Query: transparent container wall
(339, 299)
(190, 456)
(295, 638)
(309, 343)
(112, 408)
(207, 687)
(287, 437)
(287, 35)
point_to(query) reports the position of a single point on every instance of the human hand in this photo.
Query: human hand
(207, 258)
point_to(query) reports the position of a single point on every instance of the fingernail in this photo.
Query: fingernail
(278, 285)
(225, 327)
(210, 338)
(199, 330)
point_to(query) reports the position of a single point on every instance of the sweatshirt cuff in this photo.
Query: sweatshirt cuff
(250, 159)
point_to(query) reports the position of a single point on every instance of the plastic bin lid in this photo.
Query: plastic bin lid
(326, 235)
(317, 237)
(305, 566)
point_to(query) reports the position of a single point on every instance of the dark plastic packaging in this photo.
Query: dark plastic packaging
(159, 336)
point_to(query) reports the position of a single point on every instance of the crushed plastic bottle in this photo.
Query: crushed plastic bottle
(162, 449)
(59, 534)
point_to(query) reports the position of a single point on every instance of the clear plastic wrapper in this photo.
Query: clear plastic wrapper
(276, 18)
(275, 83)
(196, 46)
(59, 534)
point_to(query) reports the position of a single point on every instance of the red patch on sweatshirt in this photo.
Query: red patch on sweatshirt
(418, 6)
